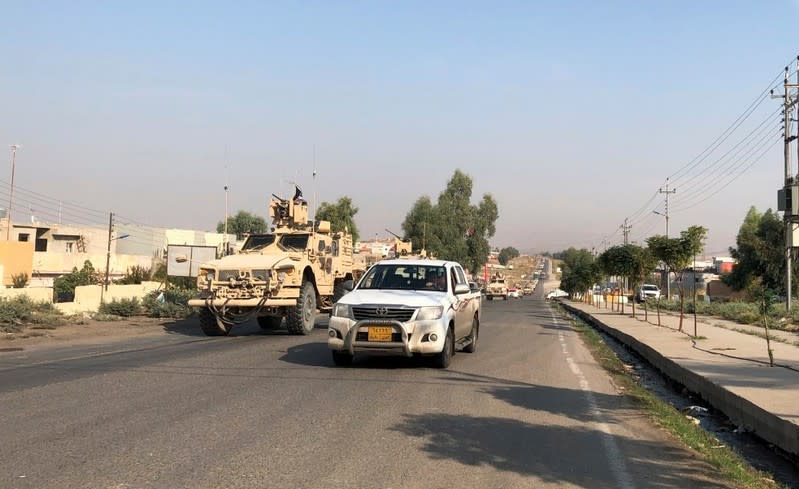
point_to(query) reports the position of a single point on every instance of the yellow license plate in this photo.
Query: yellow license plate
(380, 333)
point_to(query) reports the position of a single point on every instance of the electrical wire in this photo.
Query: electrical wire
(745, 169)
(730, 129)
(702, 178)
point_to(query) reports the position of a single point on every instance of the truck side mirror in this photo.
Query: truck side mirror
(462, 289)
(349, 285)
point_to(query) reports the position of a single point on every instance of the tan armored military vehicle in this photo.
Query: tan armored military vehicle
(497, 288)
(291, 272)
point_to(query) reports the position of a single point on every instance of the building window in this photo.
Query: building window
(69, 247)
(24, 237)
(41, 244)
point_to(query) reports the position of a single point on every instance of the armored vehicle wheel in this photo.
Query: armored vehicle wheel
(342, 359)
(300, 319)
(472, 346)
(269, 322)
(338, 291)
(490, 297)
(443, 359)
(212, 326)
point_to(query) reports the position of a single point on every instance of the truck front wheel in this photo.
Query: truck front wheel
(213, 326)
(300, 319)
(443, 359)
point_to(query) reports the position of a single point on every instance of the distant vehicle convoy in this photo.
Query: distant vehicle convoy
(407, 308)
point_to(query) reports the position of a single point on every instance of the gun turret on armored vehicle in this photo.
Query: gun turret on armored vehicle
(292, 272)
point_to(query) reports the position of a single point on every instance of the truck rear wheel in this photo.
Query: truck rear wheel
(213, 326)
(300, 319)
(269, 323)
(472, 346)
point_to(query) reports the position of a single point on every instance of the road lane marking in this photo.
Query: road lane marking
(617, 464)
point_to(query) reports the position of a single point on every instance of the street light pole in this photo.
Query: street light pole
(14, 148)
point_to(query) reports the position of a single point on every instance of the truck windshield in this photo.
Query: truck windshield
(405, 277)
(294, 241)
(258, 241)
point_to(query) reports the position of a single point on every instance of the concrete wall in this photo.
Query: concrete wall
(16, 257)
(87, 297)
(36, 294)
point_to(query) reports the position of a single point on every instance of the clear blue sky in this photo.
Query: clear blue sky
(570, 113)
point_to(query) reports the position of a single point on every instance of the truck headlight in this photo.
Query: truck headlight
(429, 312)
(342, 310)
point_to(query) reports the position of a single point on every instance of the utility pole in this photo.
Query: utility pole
(788, 197)
(625, 229)
(14, 148)
(668, 192)
(107, 256)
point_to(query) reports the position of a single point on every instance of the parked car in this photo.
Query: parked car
(554, 294)
(646, 292)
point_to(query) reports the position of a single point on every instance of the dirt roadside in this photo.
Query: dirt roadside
(90, 332)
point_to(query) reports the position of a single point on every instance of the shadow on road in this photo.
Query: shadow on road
(538, 450)
(190, 326)
(318, 354)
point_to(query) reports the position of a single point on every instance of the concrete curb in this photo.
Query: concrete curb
(741, 411)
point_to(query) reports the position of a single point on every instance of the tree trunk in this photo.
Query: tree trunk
(682, 299)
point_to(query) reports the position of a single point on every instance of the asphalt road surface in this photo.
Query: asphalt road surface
(529, 409)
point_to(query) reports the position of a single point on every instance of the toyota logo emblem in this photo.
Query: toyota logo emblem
(381, 311)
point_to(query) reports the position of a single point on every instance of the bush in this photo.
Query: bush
(19, 311)
(64, 286)
(134, 275)
(19, 280)
(123, 307)
(172, 303)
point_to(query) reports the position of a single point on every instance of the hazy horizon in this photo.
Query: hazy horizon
(571, 115)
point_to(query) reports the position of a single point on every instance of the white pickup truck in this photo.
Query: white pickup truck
(407, 307)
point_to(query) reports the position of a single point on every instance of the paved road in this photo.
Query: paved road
(529, 409)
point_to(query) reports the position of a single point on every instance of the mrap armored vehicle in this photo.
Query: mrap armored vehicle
(294, 271)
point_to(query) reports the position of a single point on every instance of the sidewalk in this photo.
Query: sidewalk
(727, 368)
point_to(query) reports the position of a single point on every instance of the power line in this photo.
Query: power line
(696, 187)
(752, 163)
(727, 132)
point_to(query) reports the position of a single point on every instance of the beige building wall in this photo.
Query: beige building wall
(15, 257)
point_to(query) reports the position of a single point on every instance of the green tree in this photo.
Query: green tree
(453, 228)
(677, 254)
(618, 261)
(507, 254)
(242, 223)
(579, 271)
(64, 286)
(341, 214)
(760, 253)
(420, 223)
(643, 263)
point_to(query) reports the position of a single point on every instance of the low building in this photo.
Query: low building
(56, 249)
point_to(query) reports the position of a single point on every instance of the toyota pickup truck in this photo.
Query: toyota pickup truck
(407, 308)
